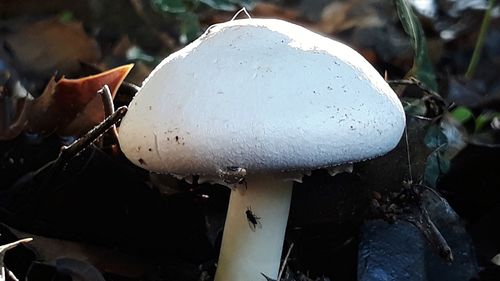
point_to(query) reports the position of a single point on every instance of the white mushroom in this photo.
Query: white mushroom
(268, 97)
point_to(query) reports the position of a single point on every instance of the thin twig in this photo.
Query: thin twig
(267, 277)
(109, 108)
(432, 234)
(419, 84)
(68, 152)
(3, 249)
(11, 275)
(437, 238)
(476, 55)
(284, 262)
(408, 154)
(434, 192)
(242, 10)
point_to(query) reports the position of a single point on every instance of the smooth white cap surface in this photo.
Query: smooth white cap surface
(265, 95)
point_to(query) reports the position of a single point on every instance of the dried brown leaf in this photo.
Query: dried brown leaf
(339, 16)
(71, 107)
(47, 46)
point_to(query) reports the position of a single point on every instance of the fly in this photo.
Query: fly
(253, 220)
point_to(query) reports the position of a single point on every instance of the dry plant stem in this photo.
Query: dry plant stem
(419, 84)
(437, 238)
(408, 156)
(68, 152)
(285, 261)
(11, 275)
(431, 233)
(242, 10)
(109, 108)
(476, 55)
(3, 249)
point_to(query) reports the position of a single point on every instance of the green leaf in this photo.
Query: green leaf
(220, 5)
(447, 139)
(226, 5)
(190, 27)
(462, 114)
(422, 67)
(435, 166)
(170, 6)
(437, 163)
(66, 16)
(484, 119)
(456, 136)
(414, 107)
(435, 138)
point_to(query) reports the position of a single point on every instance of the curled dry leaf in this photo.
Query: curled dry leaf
(269, 10)
(340, 16)
(105, 259)
(71, 107)
(49, 45)
(79, 270)
(4, 249)
(496, 260)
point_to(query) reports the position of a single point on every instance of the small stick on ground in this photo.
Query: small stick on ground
(68, 152)
(4, 272)
(11, 275)
(109, 108)
(282, 266)
(285, 261)
(420, 85)
(423, 222)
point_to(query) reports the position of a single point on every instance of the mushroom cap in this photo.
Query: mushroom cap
(261, 94)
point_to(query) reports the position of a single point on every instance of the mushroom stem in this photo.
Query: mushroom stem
(250, 249)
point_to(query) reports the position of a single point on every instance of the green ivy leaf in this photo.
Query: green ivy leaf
(414, 107)
(435, 138)
(435, 166)
(484, 119)
(220, 5)
(171, 6)
(446, 139)
(422, 67)
(226, 5)
(66, 16)
(190, 27)
(462, 114)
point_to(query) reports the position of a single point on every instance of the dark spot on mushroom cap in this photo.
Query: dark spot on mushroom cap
(141, 161)
(150, 149)
(176, 138)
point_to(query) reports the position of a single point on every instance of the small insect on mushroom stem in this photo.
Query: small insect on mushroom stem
(252, 219)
